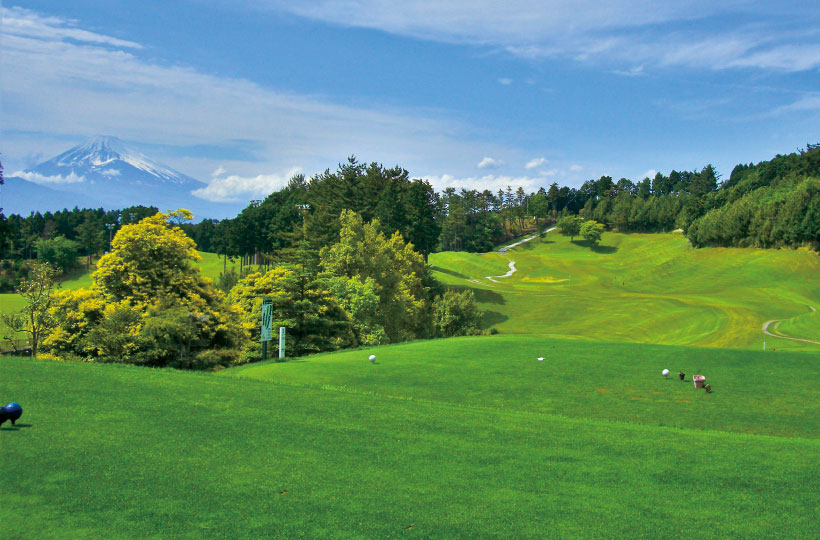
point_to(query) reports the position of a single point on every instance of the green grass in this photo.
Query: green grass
(334, 447)
(639, 288)
(460, 438)
(805, 326)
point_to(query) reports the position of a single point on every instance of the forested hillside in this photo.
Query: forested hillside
(771, 204)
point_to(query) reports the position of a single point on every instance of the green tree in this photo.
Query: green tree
(91, 235)
(592, 231)
(35, 319)
(539, 206)
(359, 300)
(301, 302)
(60, 252)
(570, 226)
(397, 270)
(456, 314)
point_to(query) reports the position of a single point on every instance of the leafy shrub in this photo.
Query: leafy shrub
(456, 314)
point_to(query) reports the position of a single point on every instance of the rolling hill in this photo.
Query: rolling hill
(466, 437)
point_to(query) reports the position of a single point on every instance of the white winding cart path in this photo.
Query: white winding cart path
(781, 336)
(512, 263)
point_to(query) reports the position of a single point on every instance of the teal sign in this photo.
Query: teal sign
(267, 319)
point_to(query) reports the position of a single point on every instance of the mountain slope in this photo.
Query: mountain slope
(117, 176)
(19, 196)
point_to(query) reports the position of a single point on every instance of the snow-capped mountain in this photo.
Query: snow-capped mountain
(107, 170)
(111, 170)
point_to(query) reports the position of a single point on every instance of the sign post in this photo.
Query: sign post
(267, 325)
(281, 342)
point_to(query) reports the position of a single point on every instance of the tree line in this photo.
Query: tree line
(770, 204)
(774, 203)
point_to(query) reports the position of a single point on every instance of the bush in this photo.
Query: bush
(456, 314)
(211, 359)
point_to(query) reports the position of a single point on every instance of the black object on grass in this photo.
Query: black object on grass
(12, 412)
(681, 375)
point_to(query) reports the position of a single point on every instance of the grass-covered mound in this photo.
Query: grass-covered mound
(463, 438)
(647, 288)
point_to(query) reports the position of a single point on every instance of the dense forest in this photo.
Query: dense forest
(774, 203)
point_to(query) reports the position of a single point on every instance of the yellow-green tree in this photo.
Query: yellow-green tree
(148, 305)
(149, 260)
(591, 231)
(397, 271)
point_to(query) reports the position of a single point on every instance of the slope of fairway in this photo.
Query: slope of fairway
(647, 288)
(123, 452)
(803, 326)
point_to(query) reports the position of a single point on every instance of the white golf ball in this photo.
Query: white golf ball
(372, 357)
(540, 358)
(665, 372)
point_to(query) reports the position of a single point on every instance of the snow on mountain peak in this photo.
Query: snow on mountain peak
(105, 154)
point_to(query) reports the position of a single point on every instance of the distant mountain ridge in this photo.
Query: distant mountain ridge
(106, 170)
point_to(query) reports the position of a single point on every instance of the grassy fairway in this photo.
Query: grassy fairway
(640, 288)
(460, 438)
(334, 447)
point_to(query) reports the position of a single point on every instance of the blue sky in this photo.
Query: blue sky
(242, 94)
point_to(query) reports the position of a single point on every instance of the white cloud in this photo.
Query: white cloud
(648, 174)
(489, 163)
(505, 81)
(491, 181)
(576, 168)
(111, 172)
(660, 33)
(37, 178)
(635, 71)
(236, 188)
(535, 162)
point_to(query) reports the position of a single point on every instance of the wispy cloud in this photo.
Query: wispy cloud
(22, 22)
(505, 81)
(597, 31)
(37, 178)
(809, 102)
(535, 162)
(489, 163)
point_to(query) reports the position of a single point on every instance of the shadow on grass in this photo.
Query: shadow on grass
(604, 249)
(15, 427)
(446, 271)
(484, 296)
(595, 248)
(491, 318)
